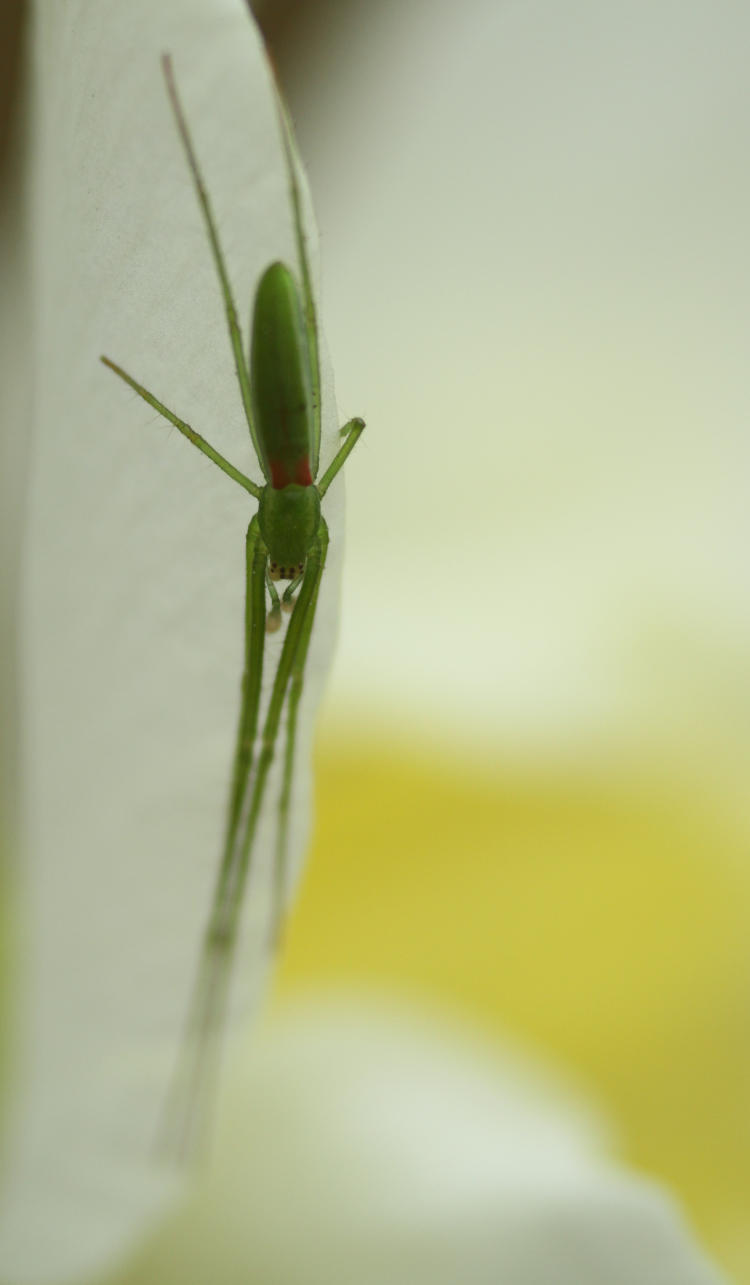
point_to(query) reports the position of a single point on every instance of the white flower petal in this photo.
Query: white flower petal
(133, 598)
(369, 1147)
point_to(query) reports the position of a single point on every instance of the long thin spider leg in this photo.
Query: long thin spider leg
(187, 1108)
(235, 334)
(256, 560)
(186, 430)
(225, 923)
(192, 1089)
(282, 833)
(351, 434)
(308, 299)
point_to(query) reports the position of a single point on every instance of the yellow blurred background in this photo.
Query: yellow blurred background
(603, 924)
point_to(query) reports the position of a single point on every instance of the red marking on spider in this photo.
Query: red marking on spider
(281, 476)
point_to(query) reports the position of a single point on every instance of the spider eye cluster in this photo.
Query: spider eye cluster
(285, 573)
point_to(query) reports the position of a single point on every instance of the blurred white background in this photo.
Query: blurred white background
(533, 225)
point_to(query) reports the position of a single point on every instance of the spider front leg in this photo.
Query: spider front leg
(351, 434)
(295, 694)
